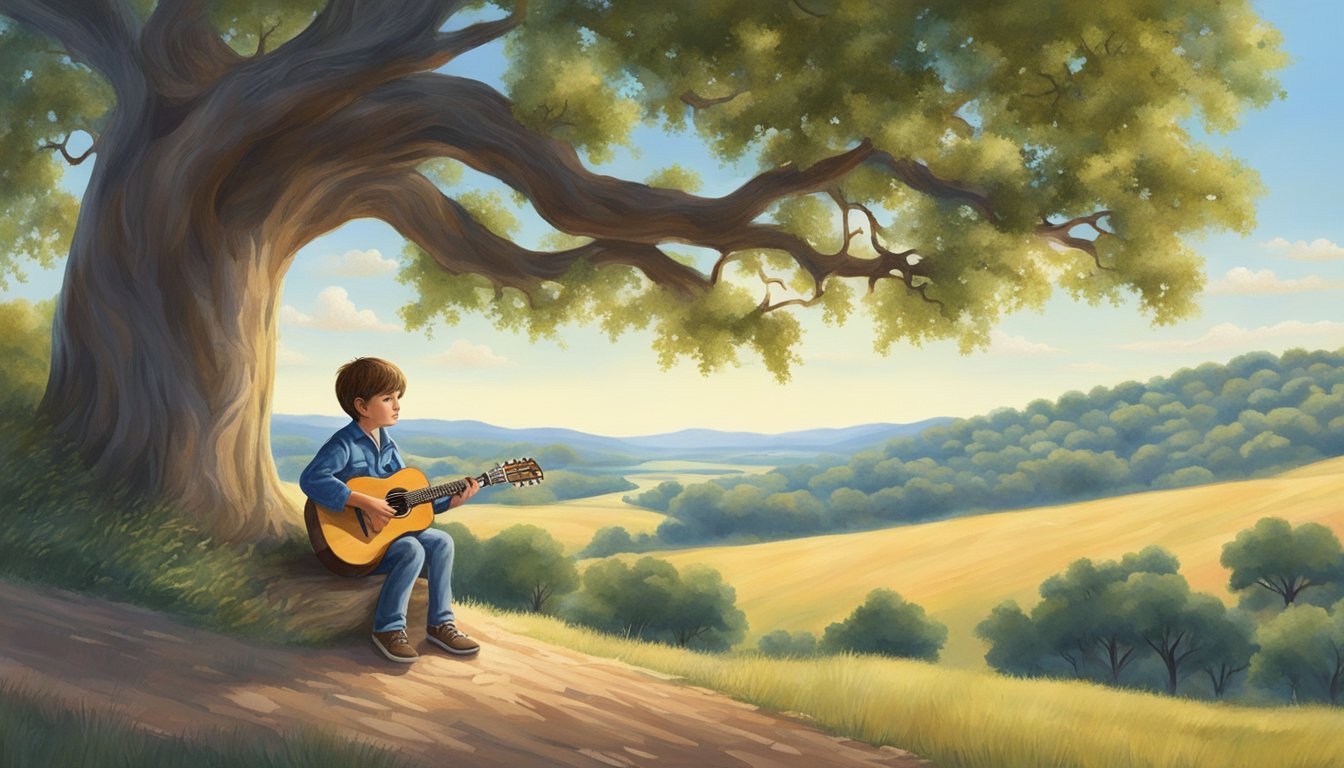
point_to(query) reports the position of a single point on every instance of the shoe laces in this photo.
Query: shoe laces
(399, 639)
(453, 631)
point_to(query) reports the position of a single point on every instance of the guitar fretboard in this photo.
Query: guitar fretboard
(447, 489)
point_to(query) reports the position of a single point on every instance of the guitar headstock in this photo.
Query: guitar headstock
(519, 472)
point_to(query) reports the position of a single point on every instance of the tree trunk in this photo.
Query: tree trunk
(164, 343)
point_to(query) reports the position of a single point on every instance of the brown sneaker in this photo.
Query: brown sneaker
(395, 646)
(449, 638)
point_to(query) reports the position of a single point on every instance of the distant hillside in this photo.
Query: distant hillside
(684, 444)
(295, 438)
(1256, 415)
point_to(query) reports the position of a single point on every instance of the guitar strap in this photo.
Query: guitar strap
(359, 515)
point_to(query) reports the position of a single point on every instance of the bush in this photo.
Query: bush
(783, 644)
(25, 347)
(887, 625)
(654, 602)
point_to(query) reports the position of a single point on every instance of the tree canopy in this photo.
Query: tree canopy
(934, 165)
(887, 625)
(1284, 559)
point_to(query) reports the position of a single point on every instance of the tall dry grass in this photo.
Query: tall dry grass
(971, 719)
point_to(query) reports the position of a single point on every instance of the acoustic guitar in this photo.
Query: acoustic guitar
(346, 543)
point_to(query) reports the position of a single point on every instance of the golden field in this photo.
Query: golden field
(958, 570)
(976, 719)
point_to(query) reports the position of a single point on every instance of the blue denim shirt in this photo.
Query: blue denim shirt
(351, 453)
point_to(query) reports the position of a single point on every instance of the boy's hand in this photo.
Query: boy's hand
(467, 493)
(379, 511)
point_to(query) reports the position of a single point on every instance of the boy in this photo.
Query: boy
(369, 390)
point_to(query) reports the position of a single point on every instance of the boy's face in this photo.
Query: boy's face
(379, 410)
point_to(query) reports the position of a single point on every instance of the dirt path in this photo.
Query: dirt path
(520, 703)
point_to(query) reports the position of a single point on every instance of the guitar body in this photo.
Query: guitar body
(348, 548)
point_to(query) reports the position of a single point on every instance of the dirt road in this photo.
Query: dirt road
(519, 703)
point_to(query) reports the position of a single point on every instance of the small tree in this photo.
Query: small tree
(652, 601)
(608, 540)
(1304, 646)
(1015, 646)
(704, 609)
(1229, 651)
(886, 624)
(524, 566)
(1177, 624)
(1284, 560)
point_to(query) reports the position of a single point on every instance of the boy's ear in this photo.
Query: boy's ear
(361, 406)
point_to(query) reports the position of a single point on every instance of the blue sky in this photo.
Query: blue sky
(1278, 288)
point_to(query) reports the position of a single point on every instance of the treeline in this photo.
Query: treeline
(1254, 416)
(1137, 623)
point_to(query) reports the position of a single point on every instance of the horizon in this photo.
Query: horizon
(1275, 288)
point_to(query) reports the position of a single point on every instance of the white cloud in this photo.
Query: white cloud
(284, 355)
(1242, 281)
(1319, 249)
(464, 354)
(1229, 336)
(1000, 343)
(359, 264)
(336, 312)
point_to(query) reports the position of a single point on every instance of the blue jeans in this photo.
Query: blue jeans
(430, 550)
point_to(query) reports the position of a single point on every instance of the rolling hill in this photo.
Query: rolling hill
(698, 444)
(959, 569)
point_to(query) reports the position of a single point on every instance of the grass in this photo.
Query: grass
(72, 535)
(39, 733)
(959, 569)
(971, 719)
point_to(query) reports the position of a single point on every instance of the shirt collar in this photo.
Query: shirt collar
(354, 432)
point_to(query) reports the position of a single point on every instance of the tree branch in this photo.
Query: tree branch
(444, 229)
(428, 116)
(454, 44)
(183, 53)
(469, 121)
(99, 33)
(696, 101)
(63, 148)
(920, 178)
(1061, 233)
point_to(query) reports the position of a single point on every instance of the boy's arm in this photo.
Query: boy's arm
(319, 483)
(318, 480)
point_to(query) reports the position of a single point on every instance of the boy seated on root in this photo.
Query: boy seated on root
(370, 390)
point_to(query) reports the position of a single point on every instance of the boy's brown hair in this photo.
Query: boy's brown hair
(364, 378)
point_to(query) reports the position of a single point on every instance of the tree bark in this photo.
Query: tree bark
(164, 341)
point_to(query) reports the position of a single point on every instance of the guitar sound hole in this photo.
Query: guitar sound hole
(396, 498)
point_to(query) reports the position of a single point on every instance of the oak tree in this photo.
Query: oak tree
(934, 165)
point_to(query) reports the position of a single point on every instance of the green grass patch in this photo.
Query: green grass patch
(967, 719)
(63, 530)
(38, 733)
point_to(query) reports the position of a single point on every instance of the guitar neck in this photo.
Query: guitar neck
(447, 489)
